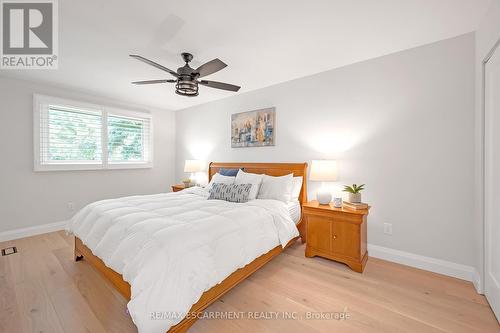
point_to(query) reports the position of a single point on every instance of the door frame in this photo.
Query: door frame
(482, 199)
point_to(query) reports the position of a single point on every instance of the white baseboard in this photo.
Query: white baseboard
(31, 231)
(444, 267)
(476, 280)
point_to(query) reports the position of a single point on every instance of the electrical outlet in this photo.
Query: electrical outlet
(388, 228)
(71, 206)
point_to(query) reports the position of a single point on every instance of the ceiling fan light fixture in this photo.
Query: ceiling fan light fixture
(186, 78)
(186, 88)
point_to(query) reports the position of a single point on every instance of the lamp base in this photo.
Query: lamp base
(324, 198)
(193, 179)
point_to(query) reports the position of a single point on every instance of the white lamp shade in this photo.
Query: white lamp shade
(323, 171)
(192, 166)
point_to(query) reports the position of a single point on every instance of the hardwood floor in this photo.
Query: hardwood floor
(43, 290)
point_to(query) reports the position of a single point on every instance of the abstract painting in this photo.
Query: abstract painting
(253, 128)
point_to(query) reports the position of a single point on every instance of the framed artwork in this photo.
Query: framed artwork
(253, 128)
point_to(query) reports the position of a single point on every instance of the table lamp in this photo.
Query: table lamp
(192, 166)
(323, 171)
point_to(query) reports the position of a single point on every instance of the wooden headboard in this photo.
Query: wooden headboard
(271, 169)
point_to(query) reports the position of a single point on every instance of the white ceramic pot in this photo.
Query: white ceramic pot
(354, 197)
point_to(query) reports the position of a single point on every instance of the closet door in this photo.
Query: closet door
(492, 182)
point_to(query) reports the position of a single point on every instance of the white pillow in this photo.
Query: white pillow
(218, 178)
(297, 186)
(249, 178)
(277, 188)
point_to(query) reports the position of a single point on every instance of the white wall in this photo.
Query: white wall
(486, 37)
(403, 124)
(29, 198)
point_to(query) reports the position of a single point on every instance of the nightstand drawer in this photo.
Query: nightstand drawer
(319, 233)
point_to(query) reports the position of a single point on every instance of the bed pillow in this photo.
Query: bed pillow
(249, 178)
(220, 179)
(230, 192)
(277, 188)
(297, 186)
(230, 172)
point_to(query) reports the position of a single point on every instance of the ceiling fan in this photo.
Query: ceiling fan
(186, 78)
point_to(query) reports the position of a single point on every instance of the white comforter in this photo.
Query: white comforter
(173, 247)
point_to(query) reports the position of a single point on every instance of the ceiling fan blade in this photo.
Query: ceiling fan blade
(153, 81)
(219, 85)
(210, 67)
(152, 63)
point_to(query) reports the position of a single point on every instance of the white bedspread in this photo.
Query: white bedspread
(173, 247)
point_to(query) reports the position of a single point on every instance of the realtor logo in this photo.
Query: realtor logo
(29, 34)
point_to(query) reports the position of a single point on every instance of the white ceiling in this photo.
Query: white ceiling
(264, 42)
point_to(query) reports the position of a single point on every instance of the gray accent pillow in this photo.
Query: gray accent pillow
(230, 172)
(230, 192)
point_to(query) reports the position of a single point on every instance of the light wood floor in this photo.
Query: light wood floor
(43, 290)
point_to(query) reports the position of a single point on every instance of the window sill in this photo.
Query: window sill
(91, 167)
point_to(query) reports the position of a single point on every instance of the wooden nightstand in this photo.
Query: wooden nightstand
(178, 187)
(336, 233)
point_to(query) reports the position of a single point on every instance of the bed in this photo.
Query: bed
(129, 207)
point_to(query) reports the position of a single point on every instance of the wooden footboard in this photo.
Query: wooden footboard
(208, 297)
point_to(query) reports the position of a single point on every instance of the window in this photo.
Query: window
(127, 138)
(71, 135)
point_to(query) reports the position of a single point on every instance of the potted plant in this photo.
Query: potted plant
(354, 192)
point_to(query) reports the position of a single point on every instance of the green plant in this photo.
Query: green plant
(354, 188)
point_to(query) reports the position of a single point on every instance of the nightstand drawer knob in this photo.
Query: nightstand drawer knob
(334, 236)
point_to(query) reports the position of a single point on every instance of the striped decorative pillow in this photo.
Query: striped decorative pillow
(230, 192)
